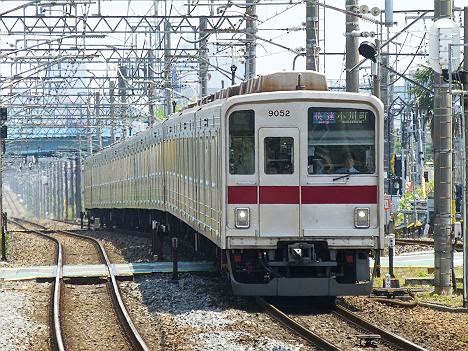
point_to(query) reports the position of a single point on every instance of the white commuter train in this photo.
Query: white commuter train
(284, 177)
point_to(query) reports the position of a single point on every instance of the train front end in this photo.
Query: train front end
(304, 188)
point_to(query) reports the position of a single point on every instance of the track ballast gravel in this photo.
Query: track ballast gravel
(24, 316)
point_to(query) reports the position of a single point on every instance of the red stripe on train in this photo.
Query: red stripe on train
(242, 194)
(279, 195)
(365, 194)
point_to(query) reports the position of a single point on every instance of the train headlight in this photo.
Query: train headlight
(242, 216)
(361, 218)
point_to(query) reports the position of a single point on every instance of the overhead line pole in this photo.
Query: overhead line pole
(112, 111)
(352, 54)
(312, 35)
(203, 58)
(442, 170)
(251, 40)
(465, 109)
(167, 66)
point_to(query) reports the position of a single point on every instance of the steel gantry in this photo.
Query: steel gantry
(125, 61)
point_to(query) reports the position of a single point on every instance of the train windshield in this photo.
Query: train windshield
(340, 141)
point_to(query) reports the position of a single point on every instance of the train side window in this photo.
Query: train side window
(279, 155)
(242, 142)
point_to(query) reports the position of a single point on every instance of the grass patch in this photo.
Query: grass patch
(401, 273)
(447, 300)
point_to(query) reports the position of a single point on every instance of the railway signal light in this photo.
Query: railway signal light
(368, 50)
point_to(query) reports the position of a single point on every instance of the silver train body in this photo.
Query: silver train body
(261, 172)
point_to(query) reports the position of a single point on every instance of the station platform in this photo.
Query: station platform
(99, 270)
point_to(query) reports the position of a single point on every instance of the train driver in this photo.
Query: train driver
(348, 163)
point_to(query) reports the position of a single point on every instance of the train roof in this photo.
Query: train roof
(279, 81)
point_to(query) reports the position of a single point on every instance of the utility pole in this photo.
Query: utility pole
(167, 67)
(352, 54)
(465, 109)
(71, 197)
(250, 40)
(97, 115)
(442, 170)
(312, 35)
(122, 83)
(90, 128)
(48, 191)
(78, 185)
(203, 57)
(112, 111)
(60, 194)
(150, 76)
(376, 72)
(66, 189)
(55, 190)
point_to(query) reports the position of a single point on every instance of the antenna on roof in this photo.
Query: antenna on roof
(300, 85)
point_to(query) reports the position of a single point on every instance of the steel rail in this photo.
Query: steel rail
(296, 328)
(389, 337)
(430, 242)
(124, 317)
(12, 204)
(58, 341)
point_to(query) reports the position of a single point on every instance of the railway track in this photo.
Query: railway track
(373, 332)
(295, 327)
(67, 221)
(12, 204)
(385, 335)
(67, 297)
(56, 330)
(425, 241)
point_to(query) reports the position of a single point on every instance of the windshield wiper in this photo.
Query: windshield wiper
(347, 175)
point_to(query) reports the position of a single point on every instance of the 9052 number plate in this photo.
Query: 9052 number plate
(279, 113)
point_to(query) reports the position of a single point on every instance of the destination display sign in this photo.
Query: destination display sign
(341, 117)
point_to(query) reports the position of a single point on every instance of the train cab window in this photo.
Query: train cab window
(340, 141)
(242, 142)
(279, 155)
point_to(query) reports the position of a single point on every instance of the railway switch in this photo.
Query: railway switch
(368, 340)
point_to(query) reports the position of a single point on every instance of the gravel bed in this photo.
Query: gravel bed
(402, 249)
(24, 316)
(337, 331)
(78, 251)
(29, 249)
(434, 330)
(88, 319)
(197, 313)
(121, 246)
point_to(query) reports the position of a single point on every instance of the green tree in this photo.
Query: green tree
(424, 99)
(425, 103)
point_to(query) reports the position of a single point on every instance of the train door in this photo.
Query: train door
(279, 182)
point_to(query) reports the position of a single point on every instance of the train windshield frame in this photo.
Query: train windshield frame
(341, 140)
(242, 142)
